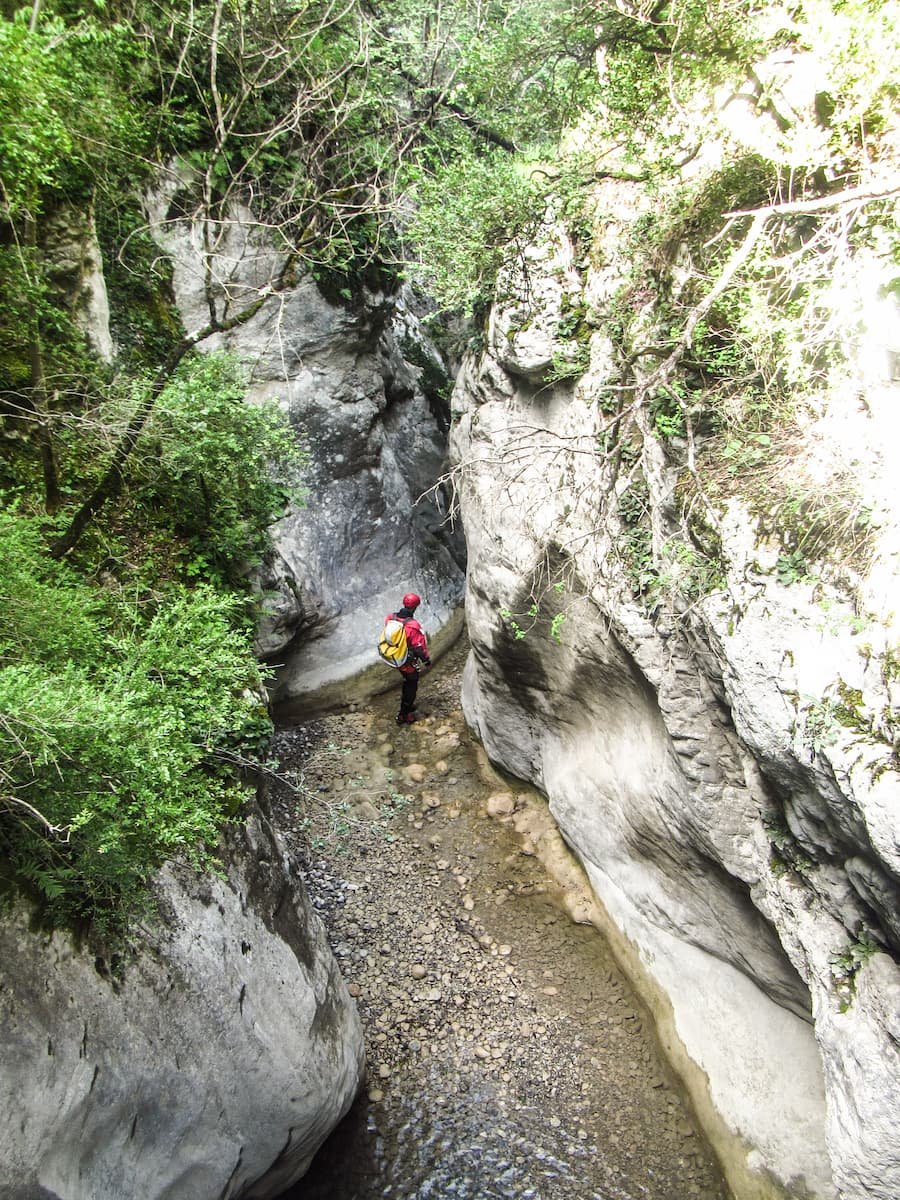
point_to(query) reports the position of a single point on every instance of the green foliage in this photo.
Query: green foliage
(792, 568)
(667, 416)
(702, 46)
(470, 216)
(841, 709)
(745, 450)
(692, 572)
(847, 963)
(215, 468)
(63, 113)
(46, 613)
(858, 44)
(119, 716)
(569, 363)
(144, 320)
(509, 619)
(521, 69)
(520, 625)
(636, 541)
(786, 854)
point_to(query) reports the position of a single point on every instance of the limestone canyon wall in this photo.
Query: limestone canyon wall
(362, 384)
(211, 1063)
(739, 859)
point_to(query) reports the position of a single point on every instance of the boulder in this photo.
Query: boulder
(211, 1063)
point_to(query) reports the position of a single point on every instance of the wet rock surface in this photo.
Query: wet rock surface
(507, 1055)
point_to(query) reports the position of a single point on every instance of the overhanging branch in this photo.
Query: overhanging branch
(792, 208)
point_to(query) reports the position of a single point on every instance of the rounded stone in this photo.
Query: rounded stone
(501, 804)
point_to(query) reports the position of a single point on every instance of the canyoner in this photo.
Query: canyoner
(403, 645)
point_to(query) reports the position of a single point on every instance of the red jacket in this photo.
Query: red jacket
(415, 639)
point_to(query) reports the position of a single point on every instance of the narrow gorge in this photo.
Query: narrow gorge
(583, 321)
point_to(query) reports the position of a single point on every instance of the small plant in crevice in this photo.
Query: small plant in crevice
(687, 567)
(843, 707)
(786, 854)
(847, 963)
(836, 618)
(792, 568)
(511, 621)
(636, 540)
(569, 363)
(532, 616)
(667, 416)
(819, 724)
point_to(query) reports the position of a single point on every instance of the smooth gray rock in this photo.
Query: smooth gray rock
(74, 266)
(369, 398)
(209, 1066)
(738, 860)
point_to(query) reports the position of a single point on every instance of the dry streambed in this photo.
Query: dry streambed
(507, 1055)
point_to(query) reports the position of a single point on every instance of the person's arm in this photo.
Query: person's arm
(417, 642)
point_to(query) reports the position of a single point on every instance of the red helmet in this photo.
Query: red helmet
(411, 600)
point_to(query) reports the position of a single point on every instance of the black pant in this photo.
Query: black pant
(408, 694)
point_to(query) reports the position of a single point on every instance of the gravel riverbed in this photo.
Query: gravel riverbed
(507, 1055)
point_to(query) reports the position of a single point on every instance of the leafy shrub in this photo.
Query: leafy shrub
(470, 215)
(118, 755)
(47, 615)
(217, 469)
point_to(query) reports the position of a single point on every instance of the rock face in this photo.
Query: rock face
(367, 394)
(739, 859)
(75, 268)
(212, 1065)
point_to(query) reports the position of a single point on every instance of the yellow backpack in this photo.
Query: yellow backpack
(393, 647)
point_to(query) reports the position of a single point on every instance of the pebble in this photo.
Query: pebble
(501, 804)
(453, 998)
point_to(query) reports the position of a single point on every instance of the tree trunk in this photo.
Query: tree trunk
(38, 398)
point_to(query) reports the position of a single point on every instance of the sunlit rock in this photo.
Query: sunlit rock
(723, 767)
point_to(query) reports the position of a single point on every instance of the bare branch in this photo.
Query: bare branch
(795, 208)
(13, 802)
